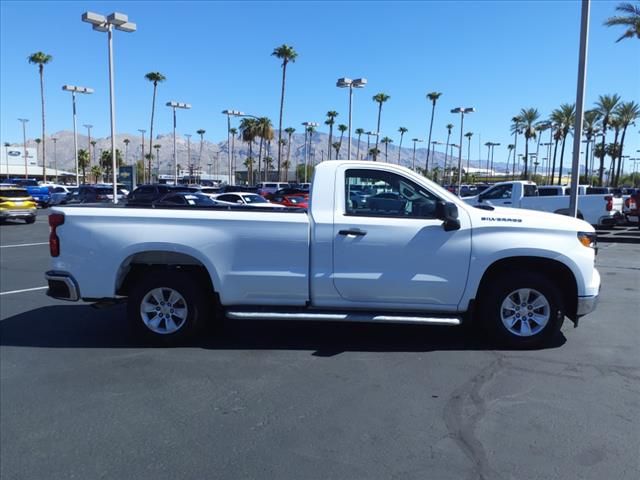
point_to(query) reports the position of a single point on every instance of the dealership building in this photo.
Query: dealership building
(12, 164)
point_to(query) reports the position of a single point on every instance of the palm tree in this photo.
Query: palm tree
(290, 131)
(126, 142)
(248, 132)
(386, 141)
(564, 117)
(446, 150)
(380, 98)
(331, 119)
(433, 97)
(342, 128)
(336, 146)
(157, 146)
(96, 171)
(359, 132)
(106, 160)
(41, 59)
(268, 165)
(589, 129)
(374, 152)
(248, 163)
(402, 131)
(605, 105)
(510, 148)
(516, 129)
(83, 162)
(264, 130)
(287, 54)
(233, 132)
(627, 112)
(632, 21)
(528, 116)
(155, 78)
(612, 148)
(469, 135)
(93, 143)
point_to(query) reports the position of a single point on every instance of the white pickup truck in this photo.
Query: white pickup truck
(595, 209)
(413, 253)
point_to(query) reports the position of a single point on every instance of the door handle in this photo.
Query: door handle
(353, 231)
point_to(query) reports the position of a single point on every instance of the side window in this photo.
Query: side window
(501, 192)
(547, 192)
(530, 191)
(177, 199)
(377, 193)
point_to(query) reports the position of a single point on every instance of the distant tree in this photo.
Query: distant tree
(446, 150)
(529, 117)
(233, 132)
(374, 152)
(200, 132)
(93, 143)
(516, 129)
(287, 54)
(106, 162)
(126, 142)
(468, 136)
(342, 128)
(433, 98)
(631, 20)
(331, 120)
(264, 130)
(379, 98)
(290, 131)
(83, 162)
(96, 173)
(564, 117)
(386, 141)
(336, 146)
(359, 132)
(154, 78)
(589, 129)
(41, 59)
(248, 132)
(605, 105)
(627, 112)
(402, 131)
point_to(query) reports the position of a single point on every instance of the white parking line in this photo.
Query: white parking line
(24, 245)
(23, 290)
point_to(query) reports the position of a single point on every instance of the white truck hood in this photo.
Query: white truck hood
(529, 219)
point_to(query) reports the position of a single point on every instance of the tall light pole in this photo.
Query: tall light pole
(55, 156)
(308, 127)
(144, 177)
(369, 134)
(74, 89)
(461, 111)
(175, 105)
(232, 113)
(24, 140)
(121, 22)
(88, 127)
(350, 84)
(414, 140)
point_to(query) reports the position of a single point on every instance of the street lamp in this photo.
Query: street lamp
(106, 24)
(24, 139)
(369, 135)
(461, 111)
(73, 89)
(350, 84)
(414, 140)
(175, 105)
(231, 113)
(308, 127)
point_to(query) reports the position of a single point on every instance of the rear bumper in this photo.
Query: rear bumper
(62, 286)
(31, 212)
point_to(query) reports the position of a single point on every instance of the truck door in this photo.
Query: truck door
(498, 196)
(391, 249)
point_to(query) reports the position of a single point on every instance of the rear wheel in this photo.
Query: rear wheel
(167, 307)
(30, 219)
(522, 310)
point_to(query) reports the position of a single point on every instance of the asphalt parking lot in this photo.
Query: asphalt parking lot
(79, 398)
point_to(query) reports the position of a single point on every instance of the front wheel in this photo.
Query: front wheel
(30, 219)
(167, 307)
(522, 310)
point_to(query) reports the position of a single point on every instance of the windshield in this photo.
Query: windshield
(254, 199)
(14, 193)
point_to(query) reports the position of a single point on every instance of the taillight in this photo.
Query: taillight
(55, 220)
(609, 200)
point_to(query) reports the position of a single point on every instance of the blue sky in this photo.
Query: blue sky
(495, 56)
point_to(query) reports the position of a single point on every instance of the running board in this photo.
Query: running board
(344, 317)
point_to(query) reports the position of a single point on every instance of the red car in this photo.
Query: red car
(296, 201)
(632, 208)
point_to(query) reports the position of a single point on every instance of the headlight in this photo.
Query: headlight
(588, 239)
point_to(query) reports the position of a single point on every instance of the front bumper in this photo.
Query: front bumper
(62, 286)
(587, 305)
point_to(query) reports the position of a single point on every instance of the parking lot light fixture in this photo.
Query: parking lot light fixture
(413, 163)
(119, 21)
(231, 113)
(370, 134)
(350, 84)
(462, 111)
(174, 106)
(74, 89)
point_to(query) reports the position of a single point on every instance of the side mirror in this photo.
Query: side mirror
(448, 212)
(480, 198)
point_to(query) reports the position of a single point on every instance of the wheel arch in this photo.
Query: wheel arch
(555, 271)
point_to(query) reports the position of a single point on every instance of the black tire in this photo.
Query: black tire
(192, 296)
(542, 291)
(30, 219)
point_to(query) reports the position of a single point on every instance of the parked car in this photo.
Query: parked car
(94, 194)
(147, 194)
(267, 188)
(295, 201)
(244, 198)
(632, 208)
(16, 202)
(60, 194)
(187, 200)
(39, 193)
(289, 191)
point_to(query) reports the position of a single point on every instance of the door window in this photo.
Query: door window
(501, 192)
(375, 193)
